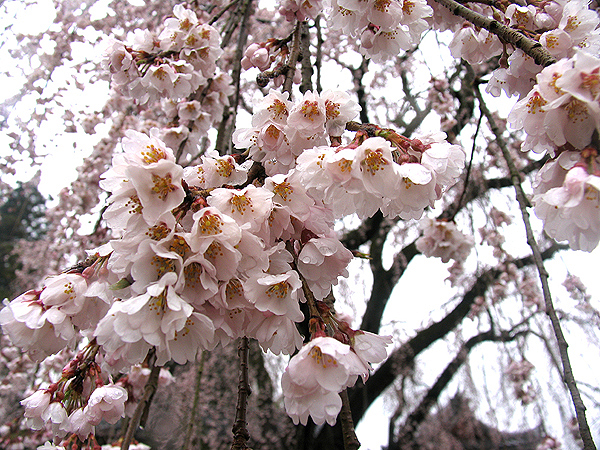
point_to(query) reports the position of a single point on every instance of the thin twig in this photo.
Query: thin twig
(459, 204)
(319, 53)
(568, 377)
(220, 13)
(192, 420)
(240, 430)
(237, 66)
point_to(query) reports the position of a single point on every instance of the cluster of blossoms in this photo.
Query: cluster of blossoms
(191, 118)
(561, 27)
(384, 27)
(559, 107)
(300, 9)
(399, 176)
(281, 130)
(567, 198)
(571, 26)
(173, 64)
(576, 289)
(177, 67)
(78, 402)
(326, 366)
(442, 239)
(519, 373)
(562, 110)
(43, 322)
(201, 256)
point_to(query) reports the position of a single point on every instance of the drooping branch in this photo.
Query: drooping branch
(384, 281)
(511, 36)
(319, 52)
(223, 11)
(568, 376)
(361, 396)
(225, 131)
(187, 442)
(466, 100)
(358, 74)
(349, 435)
(411, 100)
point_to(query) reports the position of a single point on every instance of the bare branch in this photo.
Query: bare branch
(240, 430)
(187, 442)
(406, 433)
(350, 440)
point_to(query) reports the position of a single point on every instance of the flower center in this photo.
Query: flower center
(278, 109)
(535, 103)
(374, 161)
(321, 359)
(241, 203)
(163, 186)
(310, 110)
(210, 224)
(158, 232)
(224, 167)
(279, 290)
(153, 154)
(284, 190)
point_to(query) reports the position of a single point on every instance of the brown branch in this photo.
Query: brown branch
(240, 430)
(509, 35)
(350, 440)
(220, 13)
(361, 396)
(569, 379)
(230, 113)
(307, 68)
(319, 53)
(293, 59)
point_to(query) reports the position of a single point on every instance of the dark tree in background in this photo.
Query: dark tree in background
(22, 217)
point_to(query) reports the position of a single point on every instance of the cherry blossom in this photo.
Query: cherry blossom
(443, 240)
